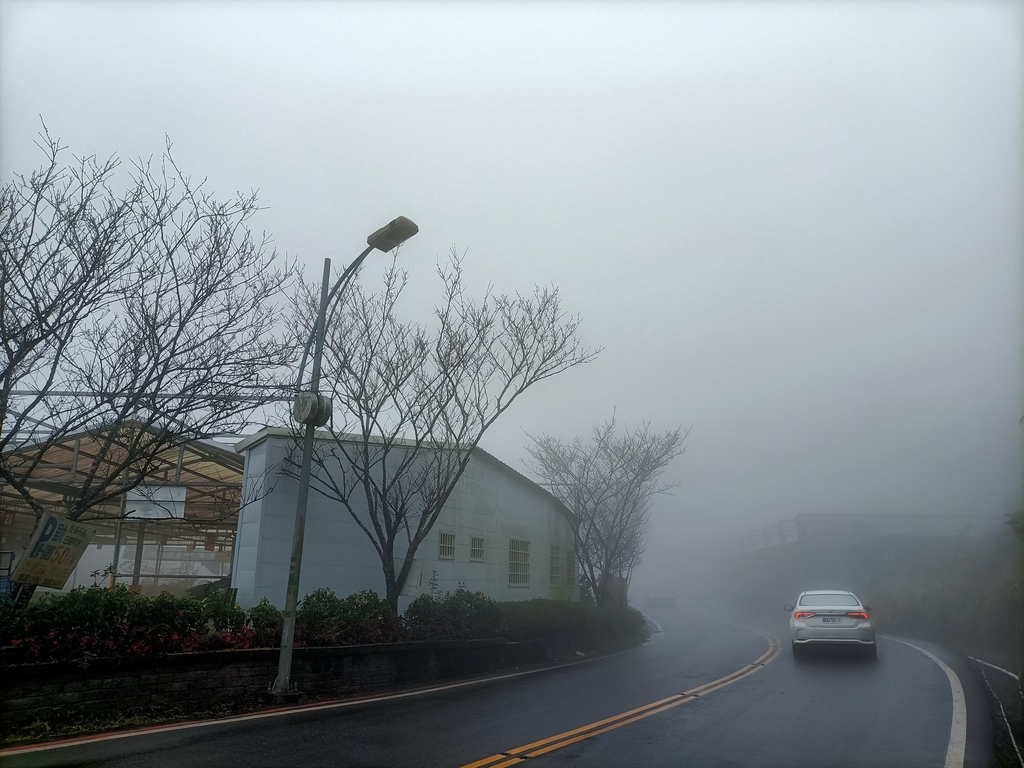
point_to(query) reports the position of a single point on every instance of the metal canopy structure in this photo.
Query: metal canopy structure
(210, 473)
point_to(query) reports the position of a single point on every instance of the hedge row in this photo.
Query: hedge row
(964, 593)
(99, 621)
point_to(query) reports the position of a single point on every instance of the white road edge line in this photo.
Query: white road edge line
(657, 626)
(1009, 730)
(958, 728)
(1004, 671)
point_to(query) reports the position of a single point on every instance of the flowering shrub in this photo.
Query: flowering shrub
(98, 621)
(102, 622)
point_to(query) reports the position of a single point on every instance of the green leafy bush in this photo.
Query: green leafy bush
(266, 621)
(464, 614)
(459, 615)
(362, 618)
(221, 612)
(582, 626)
(317, 613)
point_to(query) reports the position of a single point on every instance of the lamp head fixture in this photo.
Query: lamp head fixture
(392, 235)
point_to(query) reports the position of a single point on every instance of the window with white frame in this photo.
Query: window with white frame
(570, 567)
(555, 568)
(476, 549)
(446, 546)
(518, 563)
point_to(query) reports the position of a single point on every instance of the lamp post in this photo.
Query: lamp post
(314, 410)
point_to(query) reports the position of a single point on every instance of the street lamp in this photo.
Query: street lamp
(314, 410)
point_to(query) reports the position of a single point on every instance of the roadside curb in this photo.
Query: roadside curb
(311, 706)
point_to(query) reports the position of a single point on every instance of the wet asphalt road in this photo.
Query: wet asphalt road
(831, 709)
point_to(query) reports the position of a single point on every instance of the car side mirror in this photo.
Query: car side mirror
(867, 607)
(788, 608)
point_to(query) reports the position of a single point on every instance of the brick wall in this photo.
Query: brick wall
(65, 690)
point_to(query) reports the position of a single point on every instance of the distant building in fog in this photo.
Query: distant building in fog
(840, 529)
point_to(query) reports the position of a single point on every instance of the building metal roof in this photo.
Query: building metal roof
(210, 471)
(253, 440)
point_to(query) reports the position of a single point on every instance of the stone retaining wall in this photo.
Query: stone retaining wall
(64, 690)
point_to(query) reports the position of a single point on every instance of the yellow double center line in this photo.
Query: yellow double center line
(550, 744)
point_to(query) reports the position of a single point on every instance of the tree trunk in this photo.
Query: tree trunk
(394, 583)
(392, 597)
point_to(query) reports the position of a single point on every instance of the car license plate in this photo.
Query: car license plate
(830, 619)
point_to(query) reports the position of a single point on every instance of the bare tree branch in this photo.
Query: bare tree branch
(147, 318)
(608, 483)
(411, 403)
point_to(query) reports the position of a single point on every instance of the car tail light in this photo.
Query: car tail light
(803, 614)
(857, 614)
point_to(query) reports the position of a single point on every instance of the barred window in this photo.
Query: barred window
(556, 566)
(570, 567)
(518, 563)
(476, 549)
(446, 546)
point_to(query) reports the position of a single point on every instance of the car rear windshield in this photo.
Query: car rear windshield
(829, 599)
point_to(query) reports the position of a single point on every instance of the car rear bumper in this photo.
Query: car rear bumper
(861, 634)
(833, 641)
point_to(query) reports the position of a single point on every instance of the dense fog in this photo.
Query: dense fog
(795, 229)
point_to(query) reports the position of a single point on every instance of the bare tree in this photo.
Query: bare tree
(608, 483)
(411, 403)
(142, 320)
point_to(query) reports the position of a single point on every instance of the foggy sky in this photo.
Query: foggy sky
(794, 227)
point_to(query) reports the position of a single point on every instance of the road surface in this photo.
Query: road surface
(703, 692)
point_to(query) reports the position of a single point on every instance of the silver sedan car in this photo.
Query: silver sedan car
(830, 617)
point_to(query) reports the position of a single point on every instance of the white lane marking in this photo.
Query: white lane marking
(958, 728)
(1004, 671)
